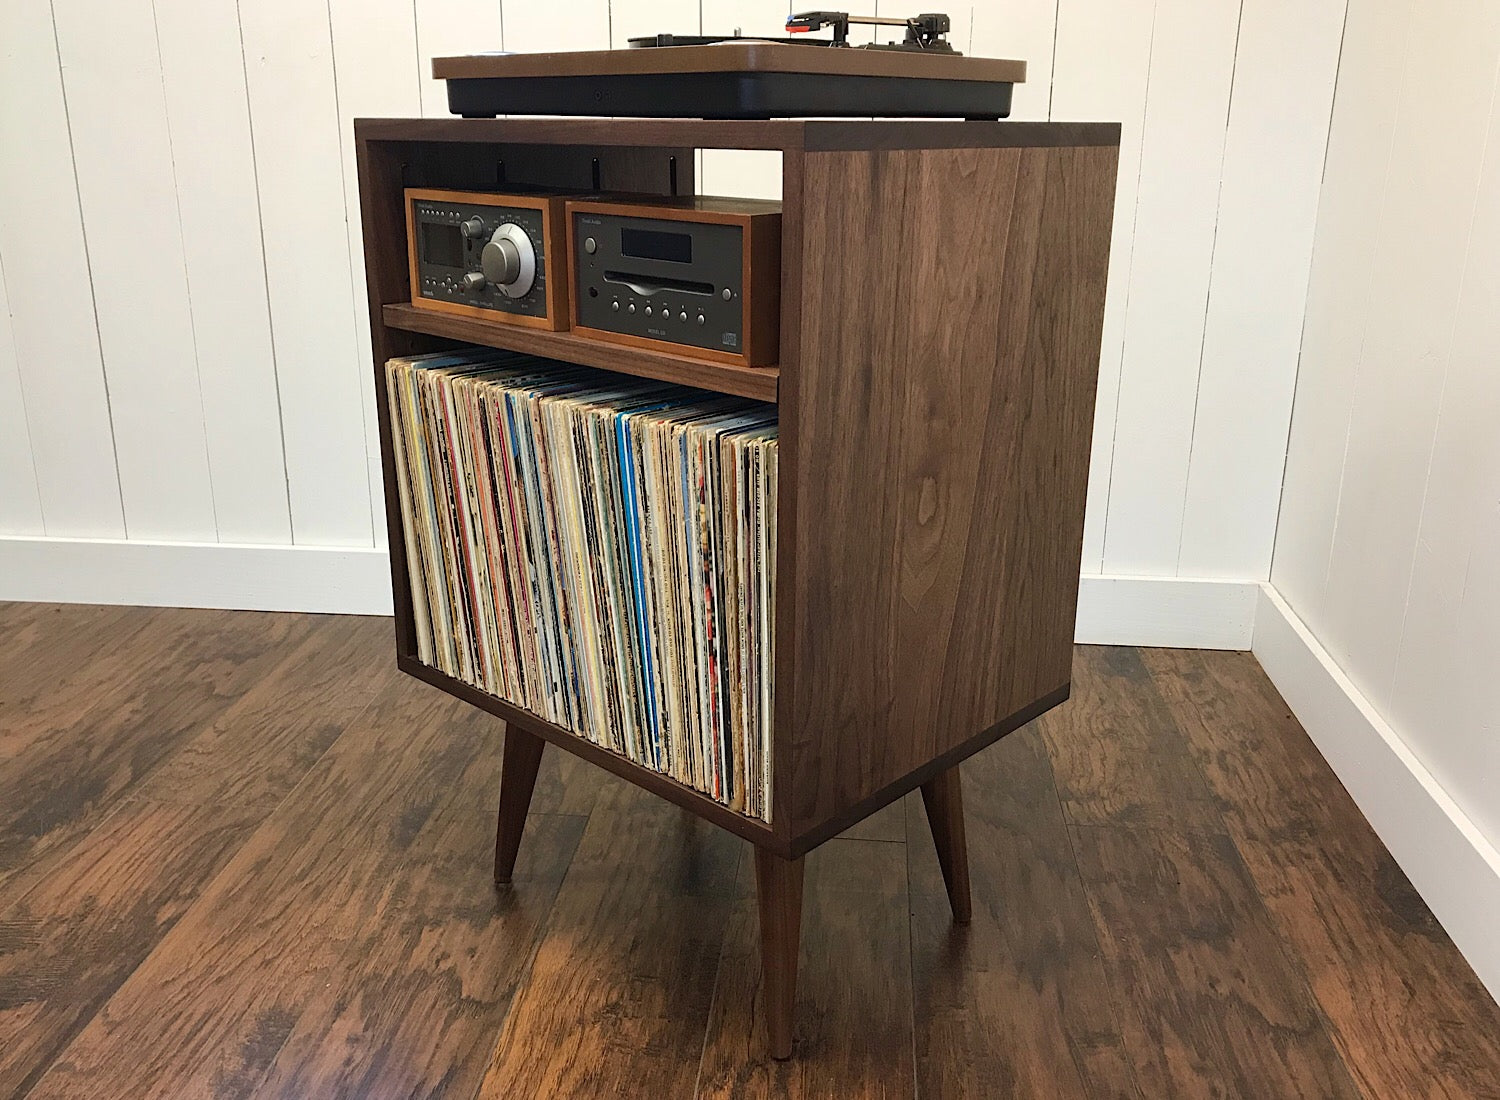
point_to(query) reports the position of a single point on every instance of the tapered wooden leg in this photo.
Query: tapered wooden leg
(779, 884)
(944, 798)
(523, 755)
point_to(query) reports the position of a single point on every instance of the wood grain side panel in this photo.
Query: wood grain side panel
(1021, 606)
(946, 372)
(790, 340)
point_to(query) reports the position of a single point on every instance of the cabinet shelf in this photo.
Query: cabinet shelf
(760, 383)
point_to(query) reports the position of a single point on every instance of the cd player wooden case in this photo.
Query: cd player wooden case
(699, 277)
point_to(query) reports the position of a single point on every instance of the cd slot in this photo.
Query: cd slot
(647, 285)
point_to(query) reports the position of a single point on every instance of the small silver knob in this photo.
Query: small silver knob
(590, 245)
(473, 228)
(474, 280)
(726, 294)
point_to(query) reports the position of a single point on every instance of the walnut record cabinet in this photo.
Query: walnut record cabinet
(942, 295)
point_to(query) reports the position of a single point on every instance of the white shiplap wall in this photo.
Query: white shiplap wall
(183, 352)
(1389, 542)
(1383, 625)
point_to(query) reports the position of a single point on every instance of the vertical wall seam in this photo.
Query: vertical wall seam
(187, 279)
(351, 220)
(1208, 294)
(1052, 86)
(88, 263)
(1385, 178)
(265, 272)
(1286, 451)
(36, 481)
(416, 43)
(1114, 426)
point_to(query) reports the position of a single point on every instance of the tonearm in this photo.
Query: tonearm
(923, 32)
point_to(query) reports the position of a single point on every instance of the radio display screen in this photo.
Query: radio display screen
(442, 245)
(653, 244)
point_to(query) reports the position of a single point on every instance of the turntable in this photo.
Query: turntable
(735, 77)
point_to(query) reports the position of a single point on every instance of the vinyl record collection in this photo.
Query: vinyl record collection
(599, 550)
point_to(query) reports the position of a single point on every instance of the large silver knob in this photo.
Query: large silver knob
(509, 261)
(502, 261)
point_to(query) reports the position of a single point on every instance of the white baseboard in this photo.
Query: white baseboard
(1171, 612)
(347, 580)
(1452, 865)
(1152, 611)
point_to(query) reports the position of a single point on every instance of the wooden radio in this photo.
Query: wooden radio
(487, 255)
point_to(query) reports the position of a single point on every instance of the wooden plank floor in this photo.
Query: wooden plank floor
(240, 856)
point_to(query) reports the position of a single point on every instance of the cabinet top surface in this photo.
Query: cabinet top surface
(749, 56)
(811, 135)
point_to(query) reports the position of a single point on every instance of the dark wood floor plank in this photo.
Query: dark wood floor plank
(853, 1027)
(208, 1011)
(69, 943)
(1409, 1016)
(1117, 756)
(620, 987)
(88, 742)
(40, 643)
(60, 660)
(1214, 1005)
(263, 744)
(421, 992)
(565, 784)
(1018, 1003)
